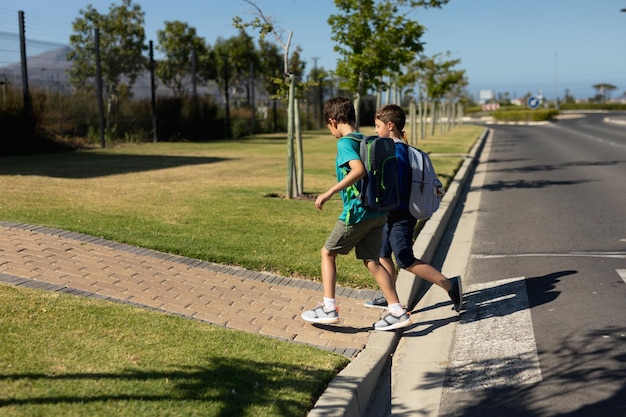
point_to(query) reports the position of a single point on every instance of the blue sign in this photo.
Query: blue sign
(533, 102)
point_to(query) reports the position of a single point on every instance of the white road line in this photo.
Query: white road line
(495, 342)
(613, 255)
(622, 274)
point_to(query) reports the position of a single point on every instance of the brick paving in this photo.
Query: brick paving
(74, 263)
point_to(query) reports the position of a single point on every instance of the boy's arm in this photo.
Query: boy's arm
(357, 171)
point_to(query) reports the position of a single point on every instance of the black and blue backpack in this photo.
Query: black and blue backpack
(380, 190)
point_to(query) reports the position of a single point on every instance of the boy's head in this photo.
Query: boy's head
(341, 110)
(392, 113)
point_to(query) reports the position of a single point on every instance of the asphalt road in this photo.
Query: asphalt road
(543, 331)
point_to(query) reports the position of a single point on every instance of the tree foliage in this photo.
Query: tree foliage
(236, 57)
(122, 43)
(289, 91)
(183, 51)
(439, 77)
(603, 91)
(375, 39)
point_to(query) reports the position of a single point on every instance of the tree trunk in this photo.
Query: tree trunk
(413, 123)
(290, 145)
(299, 151)
(433, 117)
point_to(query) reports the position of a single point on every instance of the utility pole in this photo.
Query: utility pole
(556, 82)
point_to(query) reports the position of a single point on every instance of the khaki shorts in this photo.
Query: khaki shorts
(366, 236)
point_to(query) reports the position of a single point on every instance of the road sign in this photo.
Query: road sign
(491, 106)
(533, 102)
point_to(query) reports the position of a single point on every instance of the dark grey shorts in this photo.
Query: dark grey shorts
(366, 237)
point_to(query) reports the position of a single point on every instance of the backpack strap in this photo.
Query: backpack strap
(352, 192)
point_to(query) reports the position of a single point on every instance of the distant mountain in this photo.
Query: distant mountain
(49, 70)
(45, 69)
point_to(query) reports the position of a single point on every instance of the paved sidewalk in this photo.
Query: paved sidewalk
(79, 264)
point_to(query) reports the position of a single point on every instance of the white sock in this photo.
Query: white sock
(396, 309)
(329, 304)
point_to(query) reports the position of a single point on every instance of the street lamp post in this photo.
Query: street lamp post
(556, 82)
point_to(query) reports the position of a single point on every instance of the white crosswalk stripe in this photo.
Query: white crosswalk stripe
(495, 342)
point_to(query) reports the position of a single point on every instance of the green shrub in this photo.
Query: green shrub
(525, 115)
(593, 106)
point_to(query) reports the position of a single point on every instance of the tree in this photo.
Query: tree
(438, 78)
(240, 55)
(183, 51)
(122, 42)
(271, 63)
(295, 169)
(603, 91)
(375, 40)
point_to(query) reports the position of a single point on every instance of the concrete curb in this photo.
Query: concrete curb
(348, 394)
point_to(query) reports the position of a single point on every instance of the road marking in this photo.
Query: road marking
(622, 274)
(596, 138)
(495, 343)
(613, 255)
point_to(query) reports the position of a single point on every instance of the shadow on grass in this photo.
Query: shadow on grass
(78, 165)
(232, 386)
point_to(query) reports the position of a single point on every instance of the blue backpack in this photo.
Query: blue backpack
(379, 187)
(426, 189)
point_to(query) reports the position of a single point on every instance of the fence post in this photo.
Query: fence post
(99, 86)
(153, 95)
(28, 107)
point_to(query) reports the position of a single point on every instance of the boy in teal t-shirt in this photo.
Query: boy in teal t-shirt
(356, 227)
(353, 210)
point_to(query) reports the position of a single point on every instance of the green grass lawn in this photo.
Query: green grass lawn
(219, 201)
(72, 356)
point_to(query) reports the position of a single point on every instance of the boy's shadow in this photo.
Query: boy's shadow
(501, 300)
(342, 329)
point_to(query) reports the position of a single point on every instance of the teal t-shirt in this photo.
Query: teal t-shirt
(353, 210)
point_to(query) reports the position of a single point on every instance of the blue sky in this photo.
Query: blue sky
(513, 46)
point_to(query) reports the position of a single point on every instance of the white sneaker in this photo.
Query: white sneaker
(391, 322)
(319, 315)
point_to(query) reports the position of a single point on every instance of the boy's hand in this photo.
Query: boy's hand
(357, 171)
(322, 198)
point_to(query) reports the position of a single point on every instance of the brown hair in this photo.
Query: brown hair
(341, 109)
(392, 113)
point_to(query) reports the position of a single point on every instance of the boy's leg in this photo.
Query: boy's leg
(381, 302)
(368, 250)
(397, 317)
(385, 258)
(327, 312)
(400, 236)
(340, 241)
(329, 272)
(430, 274)
(385, 281)
(450, 285)
(388, 264)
